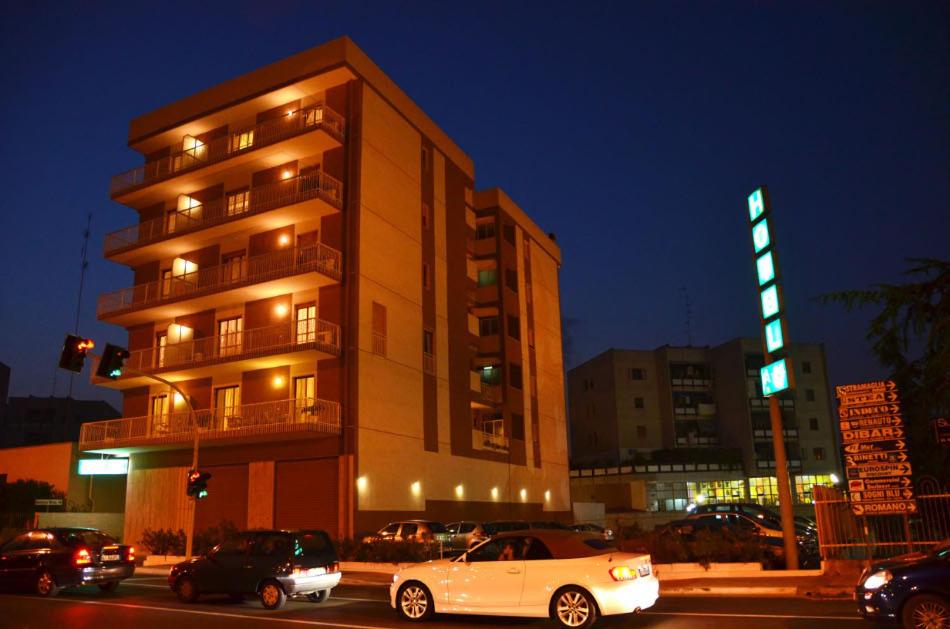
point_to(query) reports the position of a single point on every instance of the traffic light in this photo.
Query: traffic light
(198, 484)
(112, 362)
(74, 352)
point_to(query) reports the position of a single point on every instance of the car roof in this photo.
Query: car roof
(563, 544)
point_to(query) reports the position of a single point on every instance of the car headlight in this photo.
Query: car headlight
(877, 580)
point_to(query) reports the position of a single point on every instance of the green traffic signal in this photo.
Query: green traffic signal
(112, 362)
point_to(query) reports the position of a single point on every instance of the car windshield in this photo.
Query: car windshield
(93, 539)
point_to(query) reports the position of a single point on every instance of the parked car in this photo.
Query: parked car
(504, 526)
(912, 589)
(271, 565)
(538, 573)
(48, 560)
(466, 534)
(597, 529)
(803, 526)
(410, 531)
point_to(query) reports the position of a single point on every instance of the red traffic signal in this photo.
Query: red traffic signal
(74, 351)
(198, 484)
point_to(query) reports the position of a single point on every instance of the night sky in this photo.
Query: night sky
(634, 131)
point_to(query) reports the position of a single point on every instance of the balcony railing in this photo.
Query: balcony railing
(491, 392)
(269, 266)
(259, 199)
(234, 143)
(490, 436)
(293, 336)
(297, 415)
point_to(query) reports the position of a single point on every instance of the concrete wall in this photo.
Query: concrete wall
(111, 523)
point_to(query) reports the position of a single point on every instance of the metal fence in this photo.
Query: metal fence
(844, 535)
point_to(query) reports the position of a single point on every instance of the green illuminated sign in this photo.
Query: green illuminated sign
(770, 306)
(774, 339)
(756, 204)
(774, 378)
(765, 267)
(760, 235)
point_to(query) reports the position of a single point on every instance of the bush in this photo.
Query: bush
(208, 538)
(163, 541)
(386, 552)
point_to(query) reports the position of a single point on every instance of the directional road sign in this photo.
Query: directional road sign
(942, 430)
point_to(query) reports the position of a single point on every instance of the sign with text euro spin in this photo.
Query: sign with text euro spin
(776, 375)
(875, 449)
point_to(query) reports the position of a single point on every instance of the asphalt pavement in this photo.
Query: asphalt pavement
(145, 602)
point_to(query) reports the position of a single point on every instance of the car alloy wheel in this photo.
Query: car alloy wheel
(574, 609)
(186, 590)
(927, 612)
(45, 584)
(272, 596)
(414, 603)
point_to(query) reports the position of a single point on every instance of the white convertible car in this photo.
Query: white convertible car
(566, 576)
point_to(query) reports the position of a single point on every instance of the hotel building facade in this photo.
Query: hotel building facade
(360, 334)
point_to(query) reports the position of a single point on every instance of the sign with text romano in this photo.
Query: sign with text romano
(875, 452)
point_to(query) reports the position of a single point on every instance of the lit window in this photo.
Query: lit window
(238, 202)
(241, 141)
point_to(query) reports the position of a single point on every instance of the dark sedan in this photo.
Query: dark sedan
(269, 564)
(913, 589)
(47, 560)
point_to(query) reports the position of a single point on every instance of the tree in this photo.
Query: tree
(910, 336)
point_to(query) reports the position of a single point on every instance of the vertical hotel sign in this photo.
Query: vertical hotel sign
(777, 373)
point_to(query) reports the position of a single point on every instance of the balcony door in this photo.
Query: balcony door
(306, 324)
(229, 336)
(304, 399)
(227, 407)
(161, 342)
(234, 267)
(159, 414)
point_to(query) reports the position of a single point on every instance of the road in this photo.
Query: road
(146, 603)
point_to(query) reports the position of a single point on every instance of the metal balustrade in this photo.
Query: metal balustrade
(263, 418)
(237, 141)
(269, 266)
(292, 336)
(259, 199)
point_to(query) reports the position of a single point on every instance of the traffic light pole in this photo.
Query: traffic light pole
(190, 532)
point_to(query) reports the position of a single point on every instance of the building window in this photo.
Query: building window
(487, 277)
(241, 141)
(229, 336)
(508, 232)
(484, 231)
(227, 401)
(638, 402)
(379, 329)
(234, 265)
(426, 219)
(304, 396)
(161, 342)
(491, 375)
(428, 351)
(306, 318)
(813, 423)
(238, 202)
(487, 326)
(166, 282)
(635, 373)
(809, 395)
(511, 280)
(805, 486)
(160, 413)
(426, 276)
(806, 366)
(641, 432)
(764, 490)
(514, 327)
(819, 453)
(514, 376)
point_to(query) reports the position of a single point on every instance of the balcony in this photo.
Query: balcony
(490, 436)
(691, 383)
(264, 421)
(487, 395)
(240, 145)
(290, 343)
(267, 275)
(214, 218)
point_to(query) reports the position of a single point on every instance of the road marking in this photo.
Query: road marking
(774, 616)
(198, 612)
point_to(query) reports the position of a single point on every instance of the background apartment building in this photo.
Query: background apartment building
(688, 421)
(362, 335)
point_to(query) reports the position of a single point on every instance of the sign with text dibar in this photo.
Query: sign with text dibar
(875, 450)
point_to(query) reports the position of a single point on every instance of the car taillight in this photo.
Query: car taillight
(130, 554)
(622, 573)
(82, 557)
(333, 567)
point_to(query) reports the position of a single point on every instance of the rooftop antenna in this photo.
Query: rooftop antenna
(689, 316)
(82, 279)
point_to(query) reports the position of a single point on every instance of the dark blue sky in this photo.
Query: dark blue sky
(632, 130)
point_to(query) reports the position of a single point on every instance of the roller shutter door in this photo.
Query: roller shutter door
(227, 497)
(306, 495)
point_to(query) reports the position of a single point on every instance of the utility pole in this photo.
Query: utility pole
(82, 280)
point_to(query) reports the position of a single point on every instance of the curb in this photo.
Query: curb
(783, 591)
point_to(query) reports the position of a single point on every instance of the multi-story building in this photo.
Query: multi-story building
(690, 421)
(362, 336)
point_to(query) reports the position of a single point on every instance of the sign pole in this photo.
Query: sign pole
(784, 485)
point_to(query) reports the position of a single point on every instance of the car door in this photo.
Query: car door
(223, 568)
(489, 577)
(266, 553)
(408, 532)
(539, 567)
(14, 558)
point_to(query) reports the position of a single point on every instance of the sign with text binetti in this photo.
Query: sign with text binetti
(875, 450)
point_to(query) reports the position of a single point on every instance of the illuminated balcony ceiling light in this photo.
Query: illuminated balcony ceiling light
(286, 174)
(284, 240)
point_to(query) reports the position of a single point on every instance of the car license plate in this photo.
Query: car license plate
(644, 570)
(110, 557)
